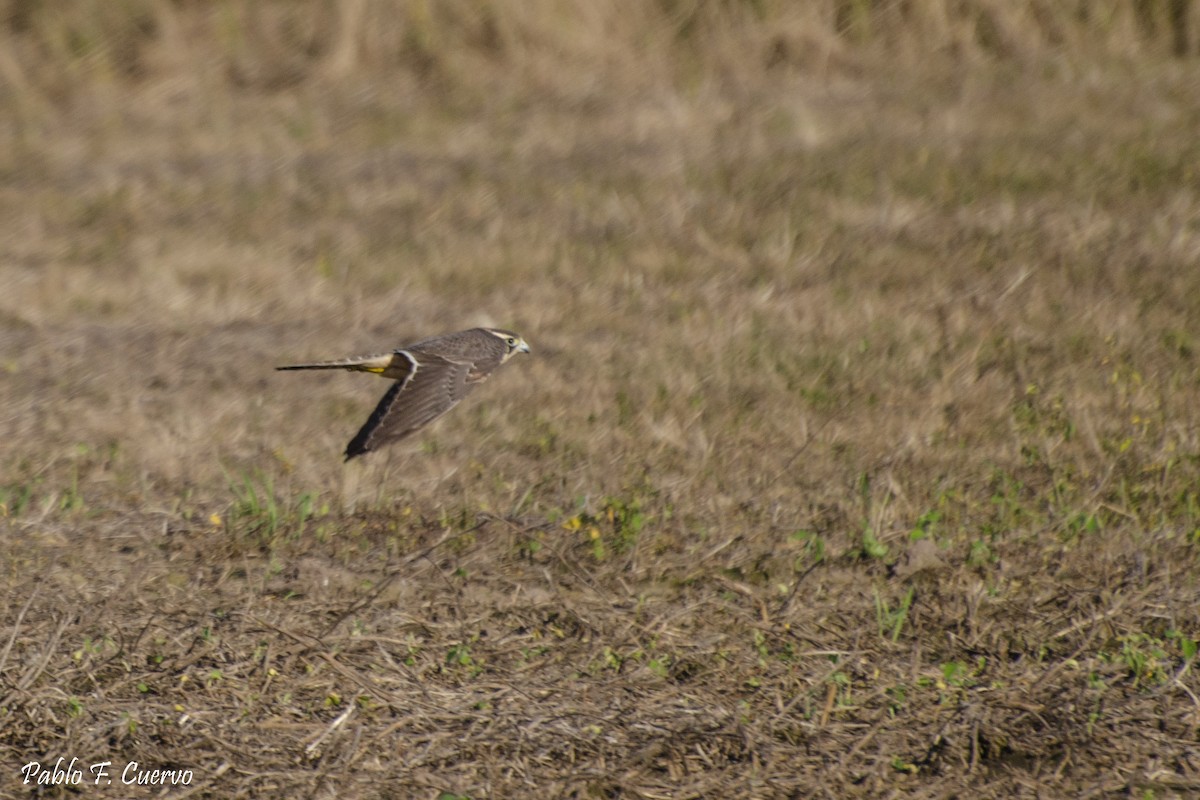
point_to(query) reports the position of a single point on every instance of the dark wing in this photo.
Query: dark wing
(433, 388)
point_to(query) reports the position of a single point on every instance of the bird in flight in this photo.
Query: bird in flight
(431, 377)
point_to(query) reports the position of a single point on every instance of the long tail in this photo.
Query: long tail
(375, 363)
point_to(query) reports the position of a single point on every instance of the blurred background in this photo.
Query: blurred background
(721, 224)
(806, 283)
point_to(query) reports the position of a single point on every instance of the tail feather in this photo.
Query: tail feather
(375, 363)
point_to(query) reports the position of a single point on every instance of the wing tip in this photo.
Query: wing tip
(358, 446)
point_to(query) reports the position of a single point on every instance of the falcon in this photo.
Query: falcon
(432, 376)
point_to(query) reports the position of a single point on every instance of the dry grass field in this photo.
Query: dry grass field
(858, 454)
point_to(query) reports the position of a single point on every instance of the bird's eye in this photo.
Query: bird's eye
(511, 341)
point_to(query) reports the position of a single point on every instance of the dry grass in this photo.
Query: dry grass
(858, 454)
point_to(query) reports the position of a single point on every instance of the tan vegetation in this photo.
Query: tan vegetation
(858, 454)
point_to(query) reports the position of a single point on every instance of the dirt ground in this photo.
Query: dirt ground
(858, 453)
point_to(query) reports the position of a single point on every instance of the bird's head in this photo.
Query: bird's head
(514, 343)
